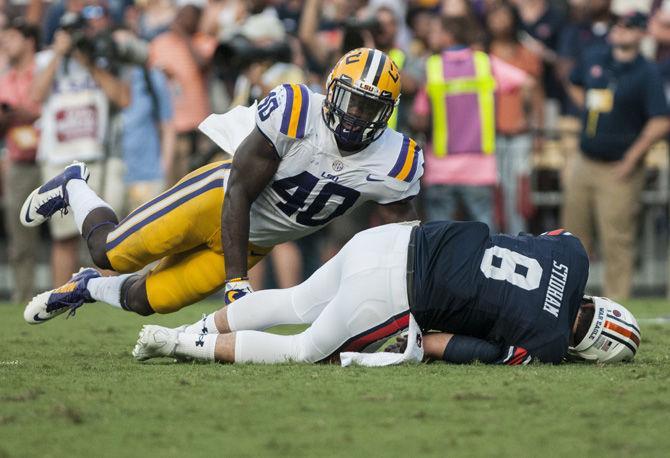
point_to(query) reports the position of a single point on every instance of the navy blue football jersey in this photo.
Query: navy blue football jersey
(522, 292)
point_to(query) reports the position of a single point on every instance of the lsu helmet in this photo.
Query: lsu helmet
(361, 92)
(613, 336)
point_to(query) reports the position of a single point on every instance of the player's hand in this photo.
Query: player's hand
(237, 288)
(399, 346)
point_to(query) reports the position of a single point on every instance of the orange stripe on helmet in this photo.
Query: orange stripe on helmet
(623, 331)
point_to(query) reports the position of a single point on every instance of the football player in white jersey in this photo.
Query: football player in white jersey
(306, 160)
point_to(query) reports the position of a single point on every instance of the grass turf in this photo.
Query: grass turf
(71, 388)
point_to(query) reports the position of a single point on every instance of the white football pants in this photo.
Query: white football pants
(356, 299)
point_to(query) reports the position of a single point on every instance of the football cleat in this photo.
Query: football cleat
(155, 342)
(70, 296)
(51, 197)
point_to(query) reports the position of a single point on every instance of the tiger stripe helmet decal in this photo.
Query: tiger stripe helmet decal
(362, 91)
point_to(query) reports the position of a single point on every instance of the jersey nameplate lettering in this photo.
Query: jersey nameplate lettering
(557, 281)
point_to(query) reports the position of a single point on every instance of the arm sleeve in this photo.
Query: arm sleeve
(282, 116)
(465, 349)
(655, 103)
(405, 177)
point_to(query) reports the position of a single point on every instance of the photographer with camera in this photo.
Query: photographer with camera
(17, 115)
(79, 84)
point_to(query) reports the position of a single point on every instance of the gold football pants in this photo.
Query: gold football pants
(181, 228)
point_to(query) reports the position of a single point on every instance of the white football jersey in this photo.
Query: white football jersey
(314, 183)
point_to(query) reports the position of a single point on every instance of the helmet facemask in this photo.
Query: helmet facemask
(355, 116)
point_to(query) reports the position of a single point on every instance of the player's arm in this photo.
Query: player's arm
(460, 349)
(396, 212)
(254, 164)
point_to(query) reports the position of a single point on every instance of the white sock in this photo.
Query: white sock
(107, 289)
(203, 326)
(196, 346)
(82, 200)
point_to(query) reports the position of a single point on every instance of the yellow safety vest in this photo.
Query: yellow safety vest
(481, 83)
(398, 58)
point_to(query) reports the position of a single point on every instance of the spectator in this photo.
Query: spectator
(588, 27)
(460, 164)
(78, 95)
(148, 132)
(385, 39)
(155, 17)
(625, 113)
(514, 141)
(542, 23)
(183, 55)
(18, 112)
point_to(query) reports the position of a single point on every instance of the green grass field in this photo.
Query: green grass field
(71, 388)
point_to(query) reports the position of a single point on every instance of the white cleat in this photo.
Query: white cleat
(155, 342)
(51, 197)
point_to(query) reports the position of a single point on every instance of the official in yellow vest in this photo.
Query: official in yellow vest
(459, 97)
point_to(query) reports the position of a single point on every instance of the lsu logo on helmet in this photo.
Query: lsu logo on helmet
(362, 90)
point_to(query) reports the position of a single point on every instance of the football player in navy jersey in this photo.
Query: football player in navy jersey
(490, 298)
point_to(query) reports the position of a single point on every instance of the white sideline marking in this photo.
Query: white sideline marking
(657, 320)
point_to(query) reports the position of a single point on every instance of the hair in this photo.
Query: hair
(26, 29)
(587, 312)
(460, 29)
(516, 21)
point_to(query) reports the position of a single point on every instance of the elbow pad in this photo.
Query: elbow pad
(465, 349)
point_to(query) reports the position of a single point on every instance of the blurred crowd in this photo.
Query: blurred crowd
(124, 84)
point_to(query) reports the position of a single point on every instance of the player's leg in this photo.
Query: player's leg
(69, 190)
(370, 304)
(263, 309)
(182, 218)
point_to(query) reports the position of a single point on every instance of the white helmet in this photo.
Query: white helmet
(613, 336)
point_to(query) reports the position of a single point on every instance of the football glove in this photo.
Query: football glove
(237, 288)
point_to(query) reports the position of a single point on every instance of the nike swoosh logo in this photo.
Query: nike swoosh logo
(369, 178)
(37, 318)
(28, 218)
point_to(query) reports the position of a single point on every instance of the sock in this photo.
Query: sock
(196, 346)
(107, 289)
(82, 200)
(203, 326)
